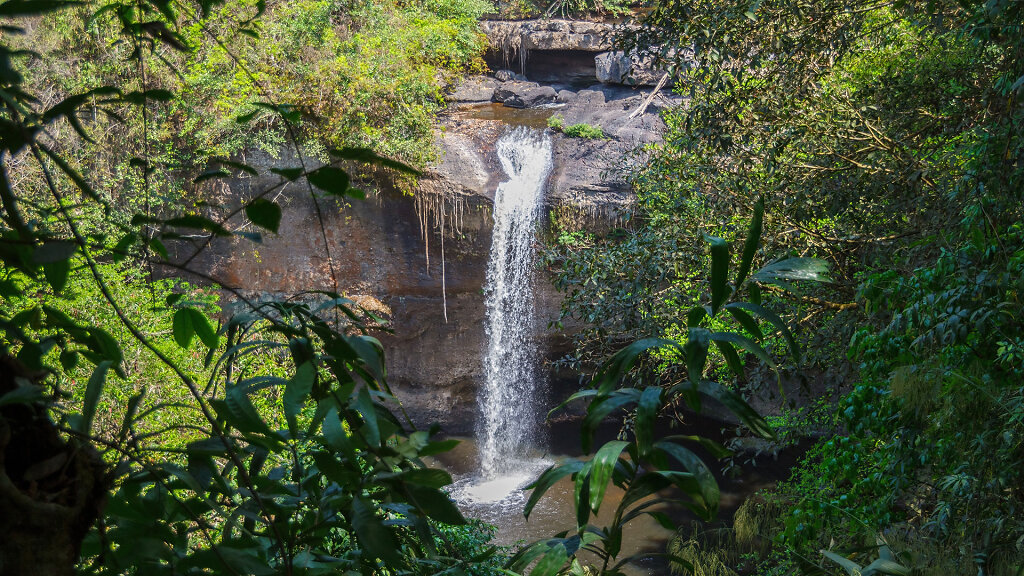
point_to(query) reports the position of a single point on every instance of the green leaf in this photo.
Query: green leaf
(709, 493)
(745, 320)
(719, 272)
(611, 373)
(732, 359)
(602, 466)
(601, 408)
(54, 251)
(696, 350)
(548, 479)
(646, 417)
(739, 407)
(376, 540)
(289, 174)
(886, 566)
(181, 327)
(56, 274)
(330, 179)
(429, 477)
(199, 223)
(22, 395)
(851, 567)
(368, 410)
(435, 504)
(370, 157)
(295, 393)
(33, 7)
(91, 399)
(551, 563)
(238, 411)
(264, 213)
(812, 269)
(747, 344)
(202, 327)
(120, 251)
(752, 242)
(776, 320)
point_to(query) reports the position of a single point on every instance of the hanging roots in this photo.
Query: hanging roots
(440, 209)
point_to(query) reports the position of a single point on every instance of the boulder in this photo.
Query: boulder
(504, 75)
(517, 94)
(565, 96)
(631, 69)
(474, 89)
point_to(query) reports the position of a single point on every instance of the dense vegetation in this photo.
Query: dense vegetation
(864, 158)
(886, 140)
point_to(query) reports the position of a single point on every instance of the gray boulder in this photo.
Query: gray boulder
(630, 69)
(523, 94)
(474, 89)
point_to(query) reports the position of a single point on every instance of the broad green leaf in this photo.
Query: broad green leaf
(776, 320)
(551, 563)
(330, 179)
(202, 327)
(429, 477)
(738, 406)
(22, 395)
(91, 399)
(646, 418)
(747, 344)
(601, 469)
(745, 320)
(181, 327)
(435, 504)
(611, 373)
(732, 359)
(376, 540)
(548, 479)
(54, 251)
(264, 213)
(812, 269)
(709, 491)
(719, 272)
(199, 223)
(851, 567)
(368, 410)
(887, 567)
(238, 411)
(370, 157)
(752, 242)
(602, 408)
(716, 449)
(56, 274)
(288, 173)
(696, 350)
(295, 393)
(527, 555)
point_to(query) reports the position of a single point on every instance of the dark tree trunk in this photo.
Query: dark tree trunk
(51, 489)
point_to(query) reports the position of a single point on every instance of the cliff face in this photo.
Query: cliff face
(377, 250)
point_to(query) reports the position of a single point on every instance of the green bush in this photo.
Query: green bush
(585, 131)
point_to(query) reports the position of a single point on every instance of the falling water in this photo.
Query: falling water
(508, 425)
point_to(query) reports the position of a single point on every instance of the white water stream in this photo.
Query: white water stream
(507, 429)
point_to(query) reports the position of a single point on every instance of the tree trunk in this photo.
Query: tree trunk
(51, 489)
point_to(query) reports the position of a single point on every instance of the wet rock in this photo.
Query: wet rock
(507, 90)
(474, 89)
(524, 94)
(504, 75)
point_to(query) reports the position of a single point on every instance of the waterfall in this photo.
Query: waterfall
(508, 425)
